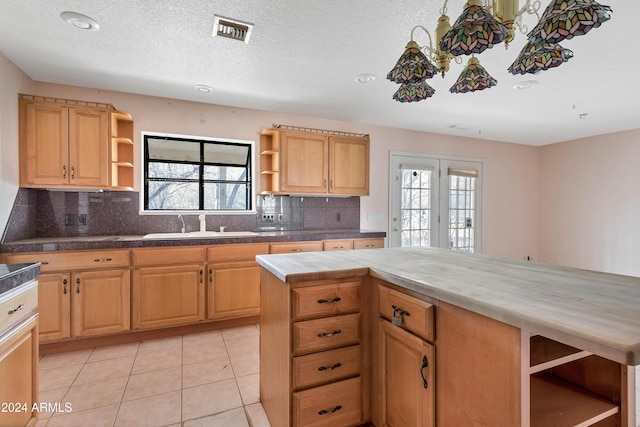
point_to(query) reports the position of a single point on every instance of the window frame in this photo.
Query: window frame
(201, 140)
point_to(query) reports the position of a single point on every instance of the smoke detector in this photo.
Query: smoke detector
(231, 29)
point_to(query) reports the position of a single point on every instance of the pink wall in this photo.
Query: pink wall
(590, 203)
(511, 170)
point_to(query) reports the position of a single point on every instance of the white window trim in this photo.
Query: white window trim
(254, 165)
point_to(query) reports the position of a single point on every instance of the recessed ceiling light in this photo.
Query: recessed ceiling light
(365, 78)
(526, 84)
(203, 88)
(80, 21)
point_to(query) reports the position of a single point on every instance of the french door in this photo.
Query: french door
(435, 202)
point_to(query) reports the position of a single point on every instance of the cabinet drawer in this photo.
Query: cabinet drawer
(320, 368)
(239, 252)
(368, 243)
(337, 404)
(337, 245)
(419, 317)
(323, 334)
(326, 300)
(76, 260)
(285, 248)
(167, 256)
(15, 304)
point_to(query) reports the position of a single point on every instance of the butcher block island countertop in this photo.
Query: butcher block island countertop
(596, 312)
(442, 338)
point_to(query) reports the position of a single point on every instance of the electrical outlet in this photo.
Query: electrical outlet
(82, 219)
(69, 220)
(267, 217)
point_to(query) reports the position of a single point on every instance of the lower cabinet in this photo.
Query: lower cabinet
(19, 357)
(81, 293)
(168, 296)
(407, 380)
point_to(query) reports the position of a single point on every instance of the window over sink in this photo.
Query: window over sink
(189, 173)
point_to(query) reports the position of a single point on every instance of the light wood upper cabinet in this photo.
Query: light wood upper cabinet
(63, 146)
(306, 162)
(349, 165)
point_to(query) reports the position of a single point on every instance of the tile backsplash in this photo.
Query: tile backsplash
(43, 213)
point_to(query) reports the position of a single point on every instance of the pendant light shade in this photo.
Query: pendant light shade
(564, 19)
(539, 57)
(412, 67)
(413, 92)
(473, 32)
(474, 77)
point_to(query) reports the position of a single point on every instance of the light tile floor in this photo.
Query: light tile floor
(205, 379)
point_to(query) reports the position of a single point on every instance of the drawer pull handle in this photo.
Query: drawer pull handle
(398, 312)
(329, 368)
(44, 262)
(329, 334)
(425, 363)
(296, 250)
(323, 301)
(103, 259)
(64, 172)
(329, 411)
(18, 308)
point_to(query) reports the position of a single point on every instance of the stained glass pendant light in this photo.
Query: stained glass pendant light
(473, 32)
(539, 57)
(564, 19)
(413, 92)
(412, 67)
(474, 77)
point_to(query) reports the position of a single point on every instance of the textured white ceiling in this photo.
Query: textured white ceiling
(304, 55)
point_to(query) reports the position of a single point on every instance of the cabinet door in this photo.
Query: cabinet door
(54, 305)
(19, 373)
(101, 302)
(233, 290)
(407, 368)
(168, 296)
(88, 147)
(349, 165)
(304, 158)
(45, 151)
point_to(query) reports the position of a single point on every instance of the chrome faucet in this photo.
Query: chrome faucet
(183, 226)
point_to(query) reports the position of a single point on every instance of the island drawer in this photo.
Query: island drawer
(76, 260)
(374, 243)
(326, 366)
(337, 404)
(326, 300)
(325, 333)
(417, 315)
(18, 302)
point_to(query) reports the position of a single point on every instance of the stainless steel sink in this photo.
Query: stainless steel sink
(201, 235)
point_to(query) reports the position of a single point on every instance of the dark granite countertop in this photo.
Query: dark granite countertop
(14, 275)
(137, 241)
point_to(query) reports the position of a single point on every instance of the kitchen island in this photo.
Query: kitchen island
(517, 343)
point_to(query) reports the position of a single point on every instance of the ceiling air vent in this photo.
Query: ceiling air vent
(231, 29)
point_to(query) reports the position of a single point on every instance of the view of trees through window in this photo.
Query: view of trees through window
(194, 174)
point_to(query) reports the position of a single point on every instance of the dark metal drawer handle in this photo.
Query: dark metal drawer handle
(18, 308)
(398, 311)
(103, 259)
(425, 363)
(322, 301)
(329, 411)
(329, 334)
(329, 368)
